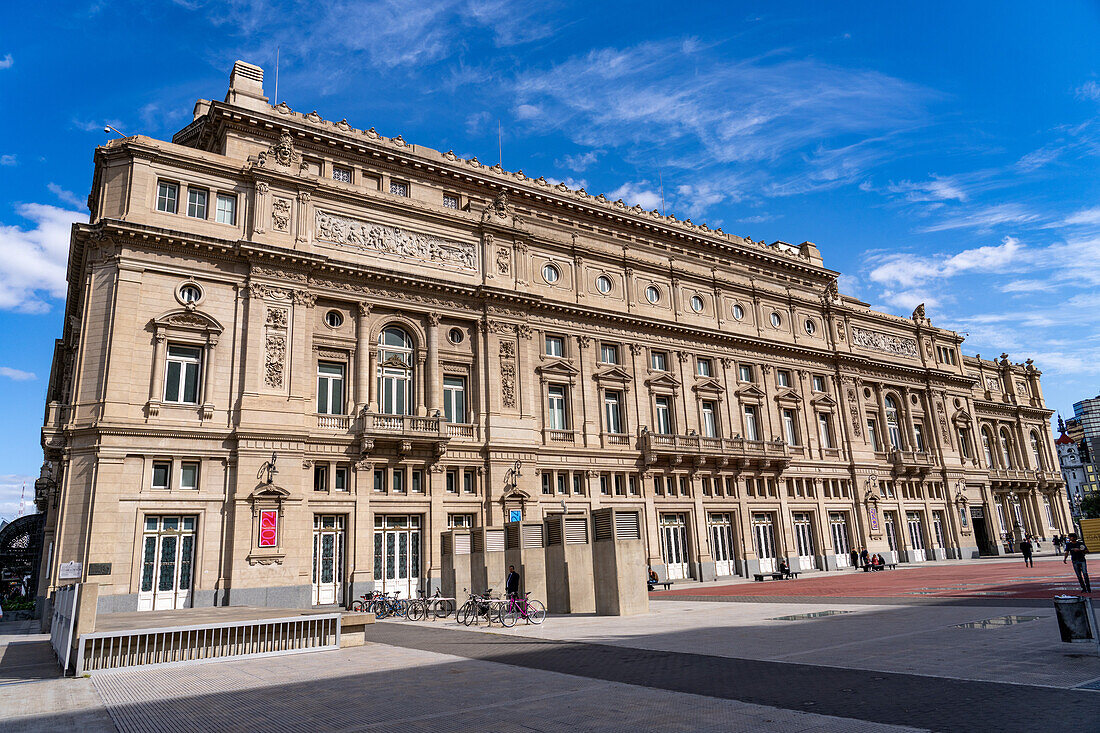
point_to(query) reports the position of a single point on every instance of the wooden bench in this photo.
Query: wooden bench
(761, 577)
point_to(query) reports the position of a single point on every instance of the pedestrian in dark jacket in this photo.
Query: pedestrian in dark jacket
(511, 583)
(1025, 548)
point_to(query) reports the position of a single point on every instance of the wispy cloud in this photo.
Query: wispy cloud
(936, 188)
(985, 218)
(1088, 217)
(9, 159)
(17, 375)
(67, 196)
(12, 487)
(640, 194)
(1088, 90)
(32, 260)
(7, 61)
(579, 162)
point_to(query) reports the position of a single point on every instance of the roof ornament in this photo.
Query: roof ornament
(500, 212)
(832, 292)
(919, 317)
(281, 155)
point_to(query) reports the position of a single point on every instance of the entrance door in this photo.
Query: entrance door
(804, 540)
(721, 543)
(328, 559)
(674, 545)
(763, 532)
(168, 553)
(981, 531)
(916, 536)
(891, 528)
(838, 524)
(397, 553)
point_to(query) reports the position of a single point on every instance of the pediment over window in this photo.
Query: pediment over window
(789, 396)
(962, 419)
(189, 320)
(708, 384)
(515, 494)
(268, 492)
(558, 368)
(823, 402)
(664, 379)
(750, 392)
(613, 374)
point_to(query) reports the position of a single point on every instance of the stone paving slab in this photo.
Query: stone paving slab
(385, 688)
(882, 697)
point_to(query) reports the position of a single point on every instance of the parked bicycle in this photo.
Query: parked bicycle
(380, 604)
(418, 609)
(522, 607)
(477, 606)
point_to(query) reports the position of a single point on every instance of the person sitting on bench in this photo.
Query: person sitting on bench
(785, 570)
(877, 563)
(652, 579)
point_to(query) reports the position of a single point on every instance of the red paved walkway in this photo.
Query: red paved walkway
(984, 578)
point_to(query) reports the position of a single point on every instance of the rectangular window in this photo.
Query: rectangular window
(918, 436)
(380, 480)
(612, 409)
(790, 427)
(752, 429)
(167, 197)
(181, 383)
(341, 174)
(619, 490)
(702, 367)
(399, 481)
(162, 472)
(555, 395)
(449, 201)
(399, 188)
(709, 422)
(578, 483)
(452, 481)
(555, 346)
(633, 484)
(744, 373)
(189, 475)
(826, 430)
(964, 442)
(819, 383)
(340, 478)
(658, 360)
(609, 353)
(330, 388)
(460, 521)
(454, 399)
(872, 434)
(226, 213)
(418, 481)
(605, 484)
(658, 486)
(783, 377)
(563, 482)
(469, 483)
(663, 416)
(196, 203)
(684, 490)
(320, 477)
(670, 485)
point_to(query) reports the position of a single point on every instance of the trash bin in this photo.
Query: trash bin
(1073, 618)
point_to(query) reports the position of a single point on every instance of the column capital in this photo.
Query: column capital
(364, 309)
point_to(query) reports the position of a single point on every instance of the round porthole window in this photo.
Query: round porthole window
(866, 393)
(777, 320)
(190, 293)
(697, 304)
(738, 312)
(455, 336)
(334, 319)
(603, 284)
(652, 294)
(551, 273)
(811, 327)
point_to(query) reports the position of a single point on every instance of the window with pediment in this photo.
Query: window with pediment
(395, 370)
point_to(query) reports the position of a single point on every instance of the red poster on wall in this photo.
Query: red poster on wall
(269, 527)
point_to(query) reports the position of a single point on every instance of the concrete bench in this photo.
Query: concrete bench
(666, 583)
(353, 627)
(761, 577)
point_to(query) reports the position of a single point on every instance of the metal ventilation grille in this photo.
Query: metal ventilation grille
(478, 541)
(445, 545)
(602, 526)
(553, 530)
(511, 536)
(576, 530)
(494, 540)
(531, 534)
(462, 544)
(627, 526)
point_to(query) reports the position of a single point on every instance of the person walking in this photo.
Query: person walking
(1025, 548)
(854, 555)
(511, 582)
(864, 559)
(1076, 551)
(1057, 541)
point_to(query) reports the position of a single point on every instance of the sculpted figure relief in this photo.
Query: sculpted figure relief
(884, 342)
(394, 241)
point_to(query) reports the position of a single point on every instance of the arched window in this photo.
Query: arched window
(395, 371)
(893, 428)
(987, 448)
(1036, 453)
(1006, 449)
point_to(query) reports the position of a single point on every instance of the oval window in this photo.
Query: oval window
(811, 327)
(777, 321)
(697, 304)
(334, 319)
(603, 284)
(652, 294)
(550, 273)
(738, 312)
(190, 293)
(455, 336)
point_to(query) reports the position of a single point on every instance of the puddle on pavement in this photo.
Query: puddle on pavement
(997, 622)
(805, 616)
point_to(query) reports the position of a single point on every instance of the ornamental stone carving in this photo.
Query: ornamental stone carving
(394, 242)
(507, 350)
(274, 360)
(276, 318)
(508, 384)
(282, 154)
(280, 215)
(304, 297)
(853, 406)
(504, 261)
(884, 342)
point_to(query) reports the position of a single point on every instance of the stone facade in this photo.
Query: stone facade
(295, 352)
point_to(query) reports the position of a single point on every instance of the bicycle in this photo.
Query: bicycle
(476, 606)
(516, 608)
(418, 609)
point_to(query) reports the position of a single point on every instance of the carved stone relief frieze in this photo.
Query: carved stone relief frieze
(508, 374)
(884, 342)
(395, 242)
(853, 406)
(280, 215)
(275, 342)
(504, 261)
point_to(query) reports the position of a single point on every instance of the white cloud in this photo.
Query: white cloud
(32, 261)
(937, 188)
(7, 61)
(1088, 90)
(579, 163)
(67, 196)
(476, 121)
(17, 375)
(573, 183)
(756, 219)
(985, 218)
(637, 193)
(8, 160)
(13, 485)
(1084, 216)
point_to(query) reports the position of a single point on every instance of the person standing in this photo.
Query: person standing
(864, 559)
(854, 555)
(1076, 551)
(511, 582)
(1025, 548)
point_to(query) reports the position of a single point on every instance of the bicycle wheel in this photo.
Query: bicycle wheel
(416, 612)
(463, 615)
(381, 610)
(443, 609)
(536, 612)
(509, 617)
(358, 606)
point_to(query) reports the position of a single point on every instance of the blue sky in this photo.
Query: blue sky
(936, 152)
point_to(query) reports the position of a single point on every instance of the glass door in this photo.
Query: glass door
(891, 528)
(763, 531)
(916, 536)
(804, 539)
(838, 524)
(397, 554)
(674, 545)
(721, 543)
(328, 559)
(168, 550)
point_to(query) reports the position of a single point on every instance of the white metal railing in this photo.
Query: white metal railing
(65, 601)
(258, 637)
(333, 422)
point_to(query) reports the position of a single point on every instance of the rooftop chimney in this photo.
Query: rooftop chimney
(246, 87)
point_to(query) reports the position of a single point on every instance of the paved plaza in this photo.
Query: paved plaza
(799, 662)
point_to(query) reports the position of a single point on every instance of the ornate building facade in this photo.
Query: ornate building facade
(295, 352)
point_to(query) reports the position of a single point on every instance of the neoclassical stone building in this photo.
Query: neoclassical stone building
(295, 352)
